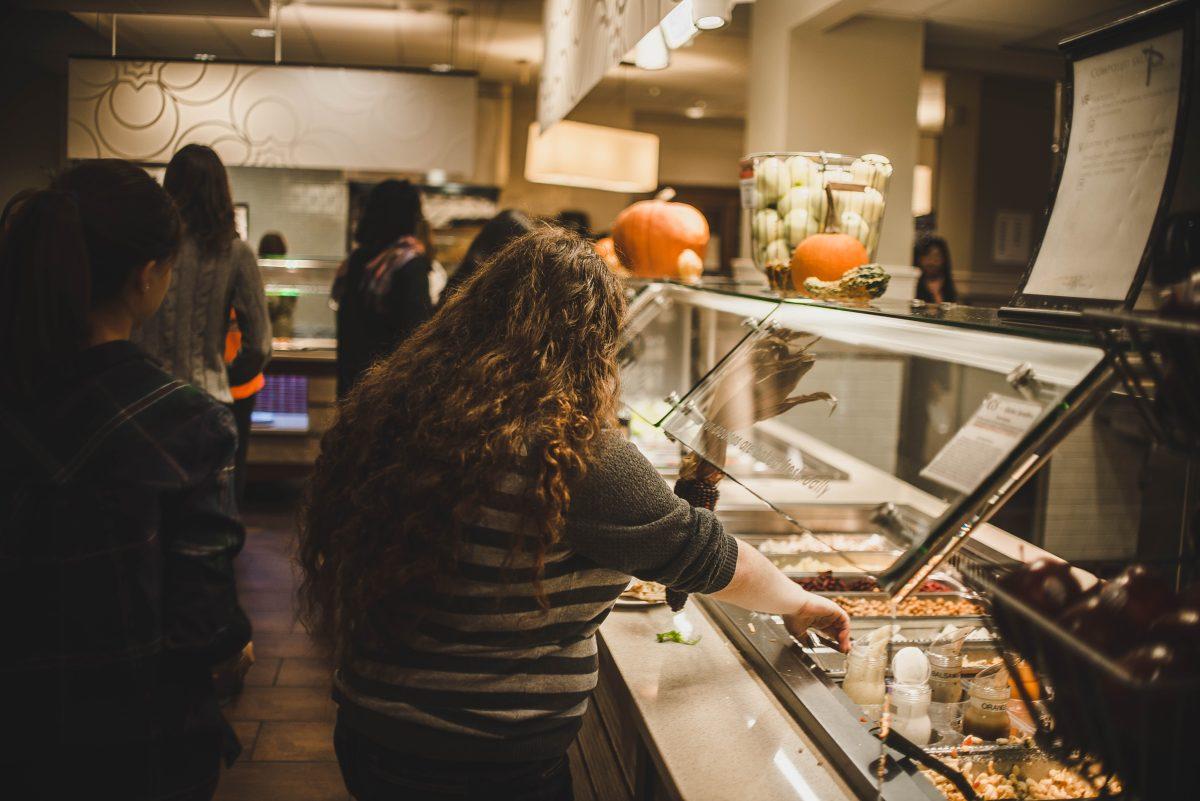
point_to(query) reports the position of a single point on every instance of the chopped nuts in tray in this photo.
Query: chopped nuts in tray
(989, 783)
(909, 607)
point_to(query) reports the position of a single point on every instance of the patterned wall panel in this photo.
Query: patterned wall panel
(272, 116)
(583, 39)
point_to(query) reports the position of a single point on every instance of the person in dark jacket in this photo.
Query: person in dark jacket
(117, 523)
(492, 237)
(382, 288)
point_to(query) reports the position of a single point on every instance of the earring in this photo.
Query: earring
(145, 287)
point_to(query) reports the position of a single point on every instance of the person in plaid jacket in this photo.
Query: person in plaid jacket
(117, 521)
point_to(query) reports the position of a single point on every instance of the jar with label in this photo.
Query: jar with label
(945, 677)
(865, 667)
(911, 718)
(986, 715)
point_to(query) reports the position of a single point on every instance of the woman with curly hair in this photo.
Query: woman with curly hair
(473, 518)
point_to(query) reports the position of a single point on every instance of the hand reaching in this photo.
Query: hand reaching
(822, 614)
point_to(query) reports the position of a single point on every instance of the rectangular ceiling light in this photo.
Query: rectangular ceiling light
(592, 156)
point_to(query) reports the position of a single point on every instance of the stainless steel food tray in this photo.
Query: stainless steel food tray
(896, 523)
(833, 663)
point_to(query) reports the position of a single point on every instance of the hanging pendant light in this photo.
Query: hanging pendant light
(708, 15)
(651, 51)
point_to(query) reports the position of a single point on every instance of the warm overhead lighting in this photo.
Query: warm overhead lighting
(651, 51)
(708, 15)
(263, 33)
(204, 57)
(592, 156)
(922, 200)
(677, 27)
(931, 103)
(694, 112)
(441, 67)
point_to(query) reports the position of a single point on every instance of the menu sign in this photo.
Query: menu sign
(979, 446)
(1125, 104)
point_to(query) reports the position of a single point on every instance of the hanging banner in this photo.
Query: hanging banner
(584, 39)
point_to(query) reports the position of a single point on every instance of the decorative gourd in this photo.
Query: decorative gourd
(653, 236)
(861, 283)
(827, 256)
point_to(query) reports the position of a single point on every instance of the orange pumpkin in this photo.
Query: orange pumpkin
(653, 238)
(826, 257)
(608, 252)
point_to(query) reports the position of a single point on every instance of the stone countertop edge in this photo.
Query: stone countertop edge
(711, 724)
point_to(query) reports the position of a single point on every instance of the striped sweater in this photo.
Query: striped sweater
(487, 675)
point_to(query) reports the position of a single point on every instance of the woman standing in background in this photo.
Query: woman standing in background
(215, 272)
(382, 288)
(931, 255)
(117, 522)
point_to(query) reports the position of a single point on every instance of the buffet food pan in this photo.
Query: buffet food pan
(1012, 771)
(893, 523)
(872, 607)
(817, 562)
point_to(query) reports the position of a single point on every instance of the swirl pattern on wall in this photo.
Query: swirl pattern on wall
(272, 116)
(584, 39)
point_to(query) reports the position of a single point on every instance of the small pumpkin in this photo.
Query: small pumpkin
(652, 238)
(607, 251)
(828, 255)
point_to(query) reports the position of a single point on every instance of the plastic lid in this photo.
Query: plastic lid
(910, 667)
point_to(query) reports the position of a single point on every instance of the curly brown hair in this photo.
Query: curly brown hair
(518, 369)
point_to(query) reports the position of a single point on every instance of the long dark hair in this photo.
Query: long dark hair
(197, 180)
(491, 239)
(393, 210)
(928, 244)
(66, 250)
(518, 368)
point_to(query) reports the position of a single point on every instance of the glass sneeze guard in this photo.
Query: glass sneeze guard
(821, 406)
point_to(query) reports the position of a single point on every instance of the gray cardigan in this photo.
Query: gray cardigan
(187, 333)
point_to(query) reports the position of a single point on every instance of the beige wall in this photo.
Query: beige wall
(696, 152)
(841, 100)
(958, 158)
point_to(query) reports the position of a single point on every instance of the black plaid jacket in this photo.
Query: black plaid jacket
(117, 535)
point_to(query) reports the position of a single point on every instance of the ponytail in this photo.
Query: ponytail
(66, 250)
(45, 290)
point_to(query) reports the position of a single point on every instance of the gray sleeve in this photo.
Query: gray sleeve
(250, 304)
(623, 517)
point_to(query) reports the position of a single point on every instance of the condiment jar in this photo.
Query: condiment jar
(945, 676)
(865, 667)
(911, 718)
(986, 715)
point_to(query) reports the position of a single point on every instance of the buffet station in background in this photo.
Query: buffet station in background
(868, 446)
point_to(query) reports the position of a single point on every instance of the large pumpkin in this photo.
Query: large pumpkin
(655, 237)
(826, 257)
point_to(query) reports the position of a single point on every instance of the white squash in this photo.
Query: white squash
(777, 252)
(768, 225)
(771, 179)
(799, 225)
(804, 171)
(852, 223)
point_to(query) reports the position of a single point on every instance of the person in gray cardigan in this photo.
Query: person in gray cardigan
(214, 272)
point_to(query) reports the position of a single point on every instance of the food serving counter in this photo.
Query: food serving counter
(865, 449)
